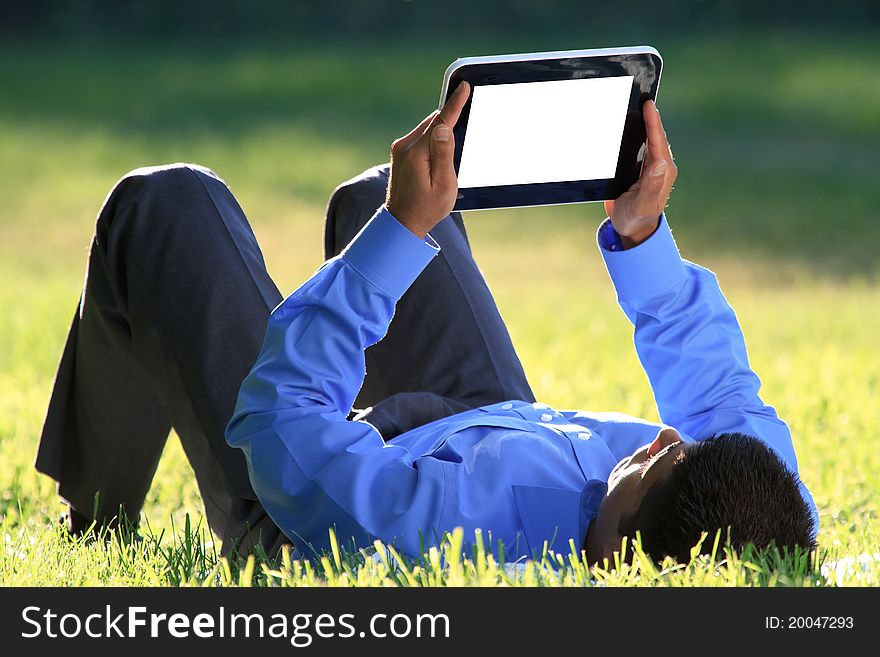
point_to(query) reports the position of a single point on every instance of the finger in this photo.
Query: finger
(442, 151)
(452, 109)
(652, 188)
(654, 126)
(658, 143)
(653, 176)
(409, 138)
(448, 115)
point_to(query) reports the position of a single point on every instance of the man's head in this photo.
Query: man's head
(671, 491)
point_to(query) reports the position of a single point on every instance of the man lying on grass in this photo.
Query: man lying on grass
(401, 324)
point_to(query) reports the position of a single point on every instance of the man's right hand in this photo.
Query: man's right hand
(635, 214)
(422, 188)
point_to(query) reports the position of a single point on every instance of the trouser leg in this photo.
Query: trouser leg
(447, 348)
(100, 394)
(171, 319)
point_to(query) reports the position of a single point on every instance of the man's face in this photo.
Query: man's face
(627, 484)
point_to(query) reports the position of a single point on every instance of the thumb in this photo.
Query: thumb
(655, 175)
(442, 150)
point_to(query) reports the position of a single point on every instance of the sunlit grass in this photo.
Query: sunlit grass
(52, 558)
(777, 194)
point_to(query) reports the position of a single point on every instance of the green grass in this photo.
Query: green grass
(776, 139)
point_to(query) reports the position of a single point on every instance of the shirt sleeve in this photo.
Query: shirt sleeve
(310, 467)
(691, 346)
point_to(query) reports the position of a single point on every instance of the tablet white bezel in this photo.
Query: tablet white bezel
(537, 56)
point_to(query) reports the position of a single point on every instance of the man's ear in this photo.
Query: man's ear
(664, 439)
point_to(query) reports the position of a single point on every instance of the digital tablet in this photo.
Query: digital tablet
(550, 128)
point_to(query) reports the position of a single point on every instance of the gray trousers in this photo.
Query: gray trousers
(171, 320)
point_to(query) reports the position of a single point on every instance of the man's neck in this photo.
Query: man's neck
(591, 545)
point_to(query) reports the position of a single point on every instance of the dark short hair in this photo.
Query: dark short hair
(733, 483)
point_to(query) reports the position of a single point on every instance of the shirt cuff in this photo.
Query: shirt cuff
(389, 255)
(646, 270)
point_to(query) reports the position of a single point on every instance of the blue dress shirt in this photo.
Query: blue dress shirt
(523, 473)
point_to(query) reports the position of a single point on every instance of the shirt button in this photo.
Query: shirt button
(584, 436)
(506, 407)
(546, 417)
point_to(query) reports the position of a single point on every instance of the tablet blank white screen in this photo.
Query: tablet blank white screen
(535, 132)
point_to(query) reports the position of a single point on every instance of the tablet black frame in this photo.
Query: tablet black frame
(645, 67)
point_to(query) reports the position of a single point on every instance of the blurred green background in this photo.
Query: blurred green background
(773, 111)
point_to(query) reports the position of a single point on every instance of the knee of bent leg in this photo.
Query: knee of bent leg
(167, 180)
(352, 204)
(163, 189)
